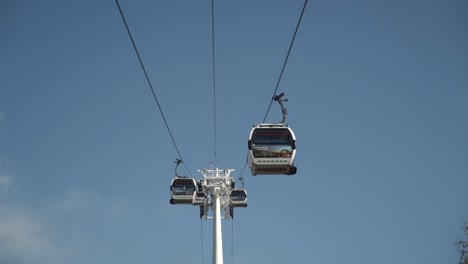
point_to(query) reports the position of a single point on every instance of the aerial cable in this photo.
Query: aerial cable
(243, 168)
(150, 85)
(232, 241)
(241, 179)
(286, 60)
(214, 81)
(201, 235)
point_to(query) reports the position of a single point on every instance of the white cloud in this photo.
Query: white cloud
(21, 237)
(5, 181)
(56, 230)
(73, 201)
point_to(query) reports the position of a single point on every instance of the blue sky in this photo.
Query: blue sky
(377, 98)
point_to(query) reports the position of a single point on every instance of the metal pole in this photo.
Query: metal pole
(217, 231)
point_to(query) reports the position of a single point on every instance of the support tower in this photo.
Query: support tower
(216, 191)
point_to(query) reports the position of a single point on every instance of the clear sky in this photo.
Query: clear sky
(377, 93)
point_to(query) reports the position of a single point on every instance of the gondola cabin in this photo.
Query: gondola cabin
(182, 190)
(238, 198)
(272, 149)
(199, 198)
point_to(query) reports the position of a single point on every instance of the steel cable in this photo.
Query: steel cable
(214, 82)
(202, 246)
(286, 60)
(150, 85)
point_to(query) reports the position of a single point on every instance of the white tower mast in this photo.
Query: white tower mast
(216, 192)
(218, 186)
(217, 229)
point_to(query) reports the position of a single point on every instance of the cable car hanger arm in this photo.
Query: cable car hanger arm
(280, 100)
(178, 162)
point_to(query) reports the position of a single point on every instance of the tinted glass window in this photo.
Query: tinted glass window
(272, 143)
(238, 196)
(271, 137)
(183, 186)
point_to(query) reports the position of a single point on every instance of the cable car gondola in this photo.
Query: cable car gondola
(272, 149)
(238, 198)
(182, 190)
